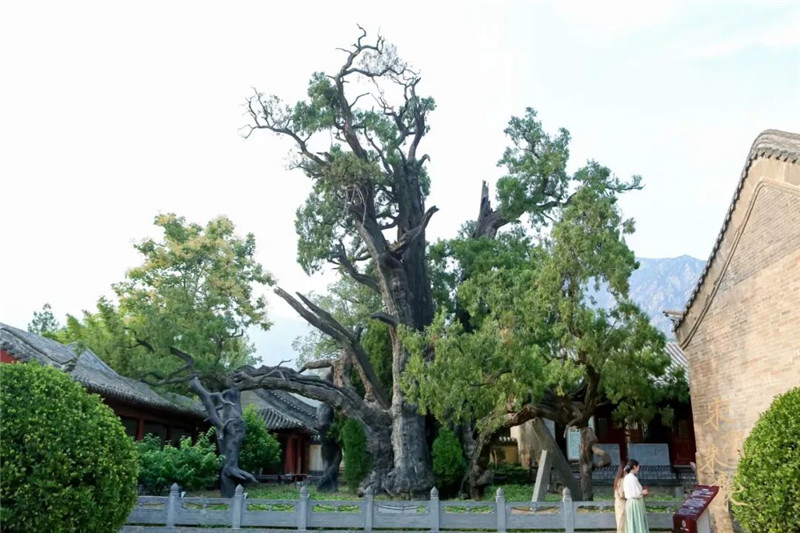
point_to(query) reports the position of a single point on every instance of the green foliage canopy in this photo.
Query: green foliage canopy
(44, 323)
(66, 463)
(516, 326)
(195, 290)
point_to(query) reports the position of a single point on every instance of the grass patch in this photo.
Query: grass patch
(277, 507)
(513, 493)
(325, 508)
(207, 506)
(478, 509)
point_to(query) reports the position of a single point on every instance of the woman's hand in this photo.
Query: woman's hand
(645, 491)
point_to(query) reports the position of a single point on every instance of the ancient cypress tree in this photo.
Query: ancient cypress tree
(358, 138)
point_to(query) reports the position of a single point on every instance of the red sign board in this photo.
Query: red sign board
(685, 520)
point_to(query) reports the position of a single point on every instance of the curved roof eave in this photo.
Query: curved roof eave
(772, 144)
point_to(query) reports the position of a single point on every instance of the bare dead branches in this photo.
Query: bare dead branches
(340, 368)
(287, 379)
(489, 220)
(386, 318)
(403, 242)
(265, 114)
(339, 257)
(211, 401)
(323, 321)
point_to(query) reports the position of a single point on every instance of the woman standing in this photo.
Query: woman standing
(635, 513)
(619, 499)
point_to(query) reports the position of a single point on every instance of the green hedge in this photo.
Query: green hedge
(767, 483)
(66, 463)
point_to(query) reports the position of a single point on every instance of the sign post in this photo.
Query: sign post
(693, 516)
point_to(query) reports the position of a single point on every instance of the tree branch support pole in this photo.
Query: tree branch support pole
(559, 462)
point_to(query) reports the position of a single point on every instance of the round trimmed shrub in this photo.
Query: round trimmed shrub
(767, 482)
(66, 463)
(449, 464)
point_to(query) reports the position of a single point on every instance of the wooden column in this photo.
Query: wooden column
(288, 467)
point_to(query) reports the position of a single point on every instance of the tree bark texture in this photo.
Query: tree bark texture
(330, 450)
(587, 443)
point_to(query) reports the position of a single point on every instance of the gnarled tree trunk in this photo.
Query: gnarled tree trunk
(225, 413)
(331, 452)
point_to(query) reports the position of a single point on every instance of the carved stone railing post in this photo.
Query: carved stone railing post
(500, 507)
(435, 512)
(569, 512)
(302, 510)
(172, 504)
(237, 505)
(369, 504)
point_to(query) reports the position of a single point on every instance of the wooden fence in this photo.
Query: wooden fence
(173, 513)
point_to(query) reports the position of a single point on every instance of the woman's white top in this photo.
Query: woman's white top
(631, 487)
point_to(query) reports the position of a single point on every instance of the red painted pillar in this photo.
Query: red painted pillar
(290, 456)
(299, 455)
(140, 429)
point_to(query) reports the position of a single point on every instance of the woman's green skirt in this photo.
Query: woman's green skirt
(635, 516)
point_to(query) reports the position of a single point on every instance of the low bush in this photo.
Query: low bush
(191, 466)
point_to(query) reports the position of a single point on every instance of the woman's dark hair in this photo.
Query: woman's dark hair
(632, 463)
(620, 474)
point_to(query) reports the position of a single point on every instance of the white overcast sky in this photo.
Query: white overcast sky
(114, 112)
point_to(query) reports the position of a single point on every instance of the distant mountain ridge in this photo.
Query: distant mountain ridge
(659, 285)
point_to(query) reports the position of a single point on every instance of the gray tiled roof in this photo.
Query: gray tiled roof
(281, 410)
(89, 370)
(678, 357)
(771, 144)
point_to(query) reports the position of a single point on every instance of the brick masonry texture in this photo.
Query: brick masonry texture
(744, 347)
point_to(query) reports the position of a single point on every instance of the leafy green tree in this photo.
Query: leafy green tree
(182, 318)
(260, 448)
(105, 332)
(44, 323)
(767, 483)
(195, 291)
(66, 463)
(522, 338)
